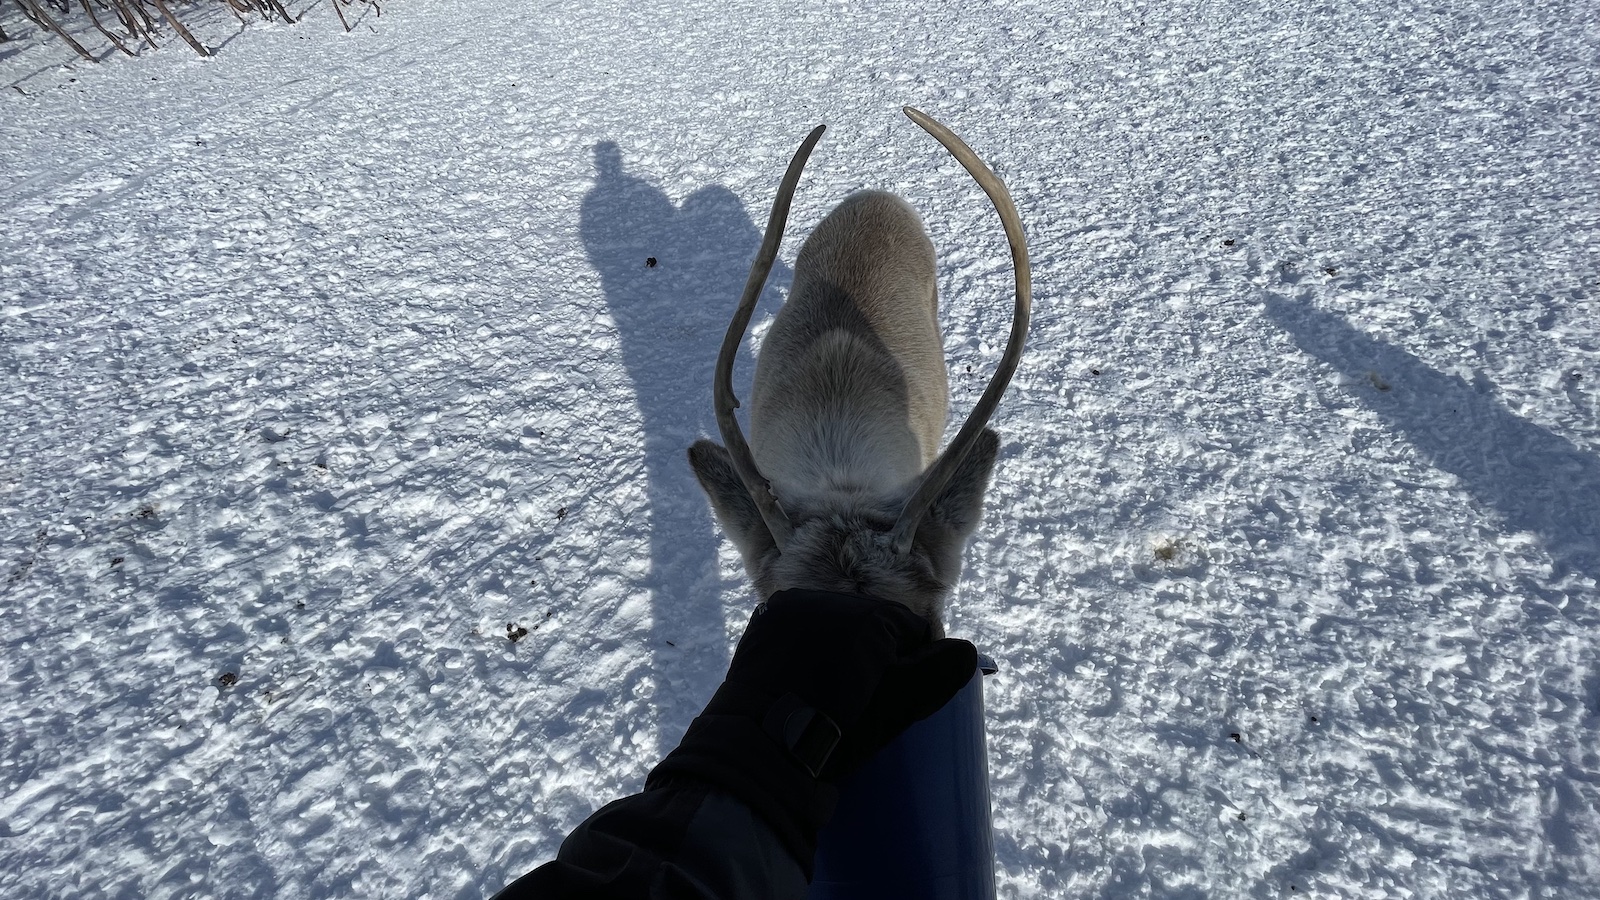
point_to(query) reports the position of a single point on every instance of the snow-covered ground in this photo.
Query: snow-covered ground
(329, 359)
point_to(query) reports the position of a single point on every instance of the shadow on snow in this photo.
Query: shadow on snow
(1536, 481)
(670, 317)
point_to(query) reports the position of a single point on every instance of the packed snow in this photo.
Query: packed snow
(348, 545)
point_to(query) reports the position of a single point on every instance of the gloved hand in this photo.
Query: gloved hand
(819, 683)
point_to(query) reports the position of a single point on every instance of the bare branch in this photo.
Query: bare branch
(125, 17)
(102, 29)
(146, 22)
(137, 20)
(274, 4)
(36, 12)
(179, 27)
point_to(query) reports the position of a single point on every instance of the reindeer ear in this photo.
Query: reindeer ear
(960, 506)
(943, 532)
(735, 510)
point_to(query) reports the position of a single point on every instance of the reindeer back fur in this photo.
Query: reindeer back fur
(851, 394)
(847, 412)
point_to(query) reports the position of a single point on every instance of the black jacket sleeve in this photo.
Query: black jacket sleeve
(818, 683)
(682, 840)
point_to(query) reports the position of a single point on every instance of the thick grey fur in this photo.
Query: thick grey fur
(848, 409)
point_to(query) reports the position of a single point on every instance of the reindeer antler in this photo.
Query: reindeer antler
(744, 463)
(939, 474)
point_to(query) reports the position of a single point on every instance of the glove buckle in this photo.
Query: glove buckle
(805, 731)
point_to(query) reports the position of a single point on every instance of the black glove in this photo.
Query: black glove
(819, 683)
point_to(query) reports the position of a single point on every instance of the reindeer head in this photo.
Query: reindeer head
(851, 394)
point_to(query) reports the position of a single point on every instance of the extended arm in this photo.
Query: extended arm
(818, 684)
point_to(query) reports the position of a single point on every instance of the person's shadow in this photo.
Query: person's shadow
(672, 278)
(1537, 481)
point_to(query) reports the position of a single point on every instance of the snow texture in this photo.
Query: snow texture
(332, 362)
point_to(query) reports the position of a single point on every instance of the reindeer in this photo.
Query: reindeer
(842, 487)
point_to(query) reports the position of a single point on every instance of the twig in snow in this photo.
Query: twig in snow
(182, 31)
(281, 11)
(102, 29)
(36, 12)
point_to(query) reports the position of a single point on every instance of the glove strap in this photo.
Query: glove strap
(805, 731)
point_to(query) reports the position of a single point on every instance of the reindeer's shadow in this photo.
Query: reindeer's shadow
(1538, 481)
(671, 316)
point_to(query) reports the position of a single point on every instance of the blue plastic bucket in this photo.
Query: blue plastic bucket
(915, 823)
